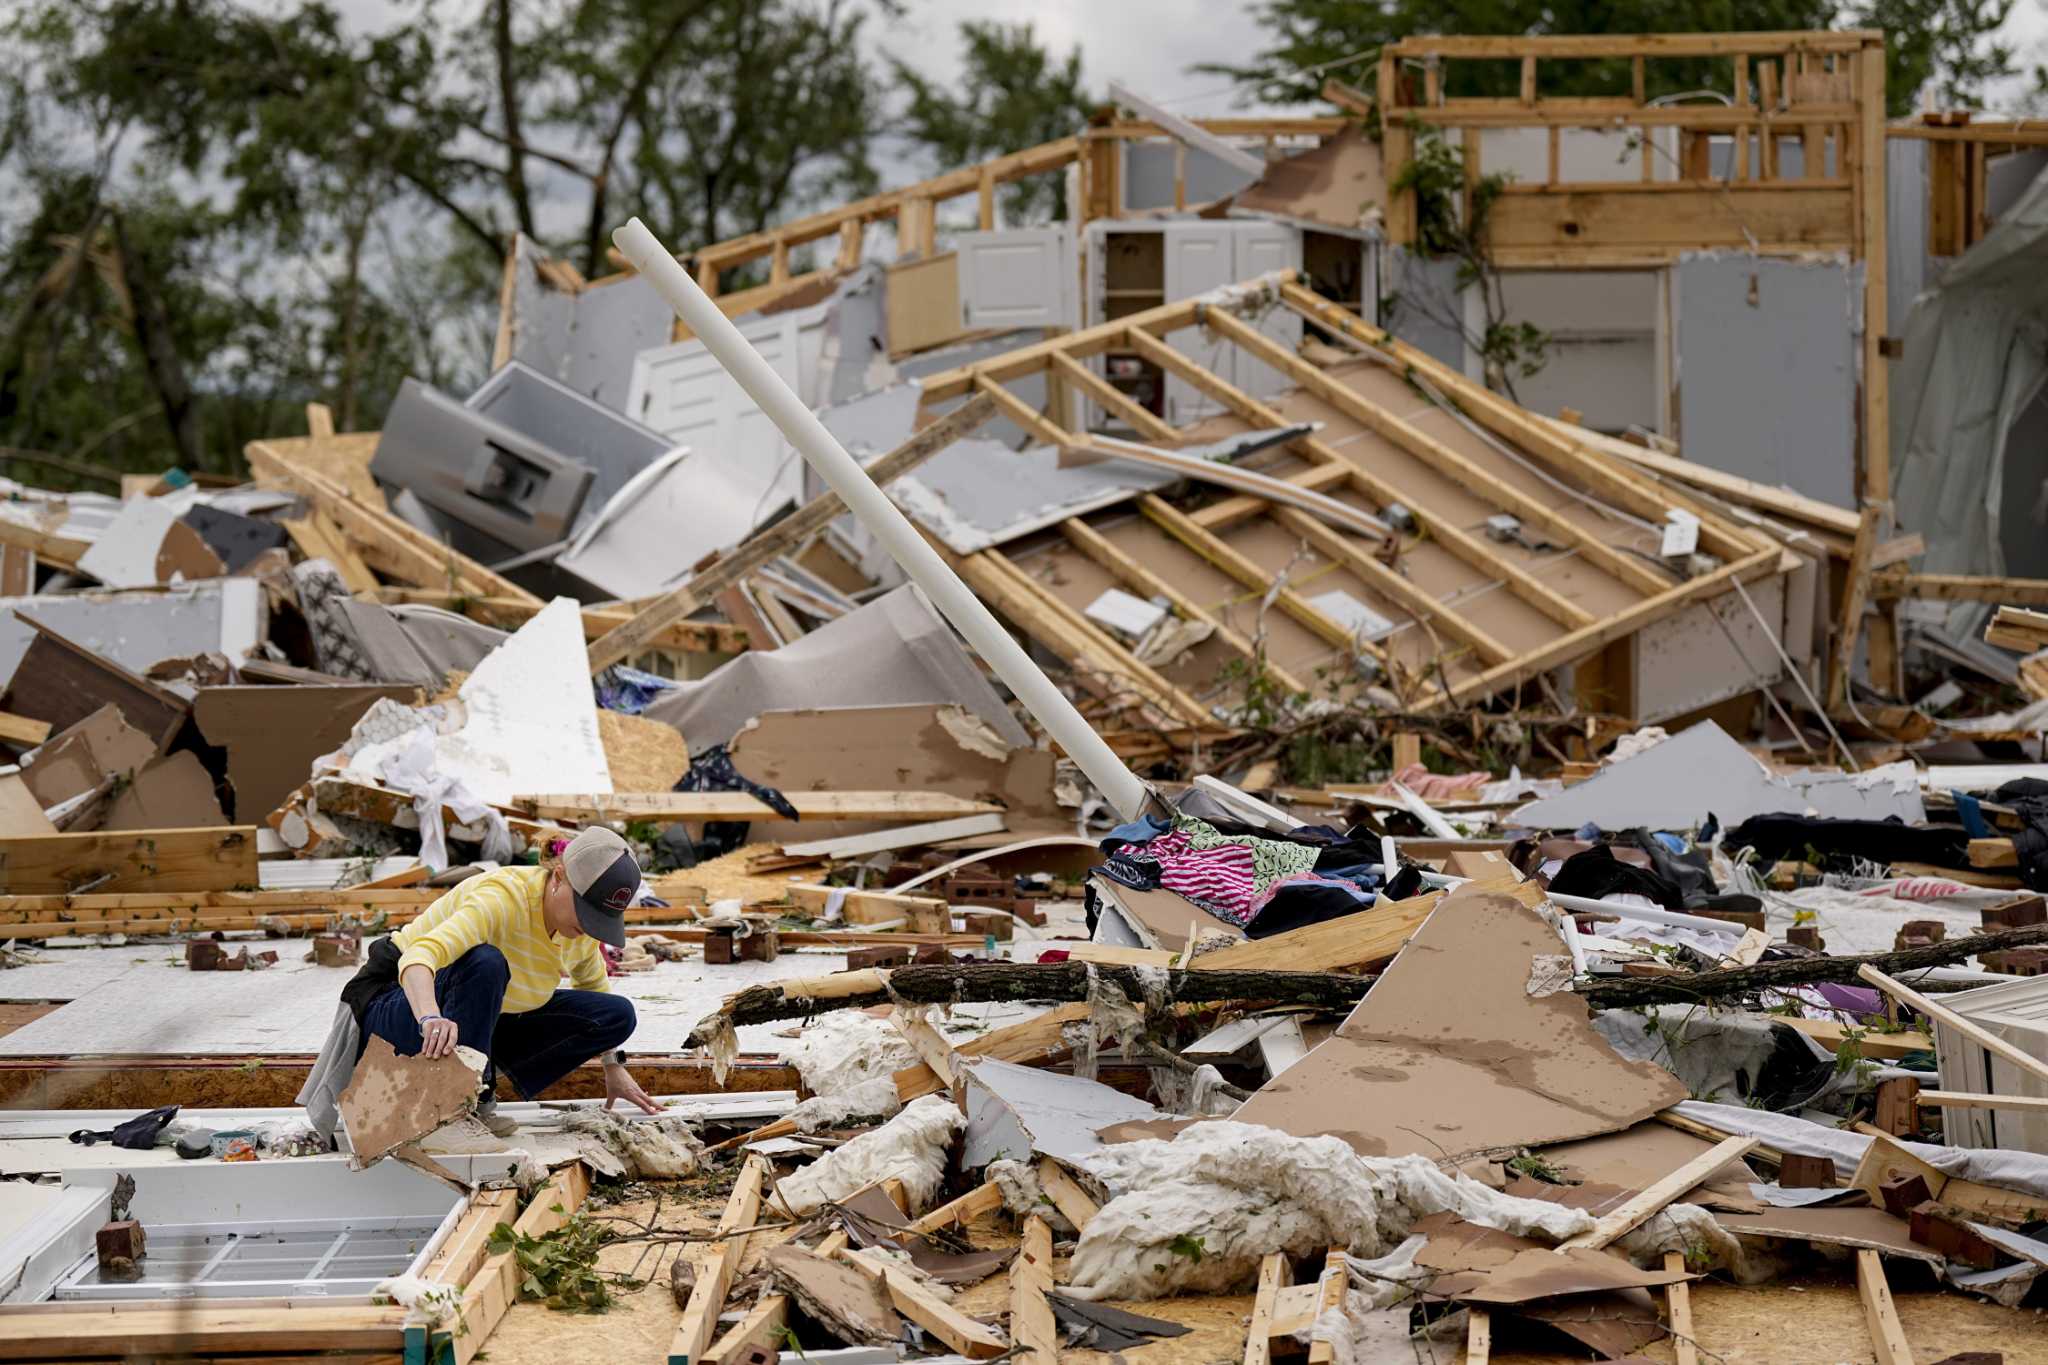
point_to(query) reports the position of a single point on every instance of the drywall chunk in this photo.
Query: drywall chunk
(1020, 1111)
(394, 1100)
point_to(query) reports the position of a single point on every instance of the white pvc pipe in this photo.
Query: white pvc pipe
(954, 599)
(1646, 915)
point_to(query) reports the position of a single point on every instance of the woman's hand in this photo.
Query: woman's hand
(620, 1085)
(437, 1036)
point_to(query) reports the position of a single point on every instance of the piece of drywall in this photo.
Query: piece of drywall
(273, 734)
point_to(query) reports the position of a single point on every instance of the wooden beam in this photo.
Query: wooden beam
(1075, 1204)
(1212, 548)
(1140, 418)
(184, 1330)
(469, 1245)
(958, 1331)
(983, 1198)
(1942, 1014)
(22, 731)
(1350, 100)
(1638, 1209)
(387, 543)
(494, 1288)
(121, 860)
(1856, 591)
(318, 537)
(1761, 43)
(1258, 1347)
(720, 1264)
(1678, 1303)
(637, 633)
(1336, 1278)
(1040, 427)
(1478, 1336)
(1032, 1327)
(1535, 436)
(674, 806)
(51, 548)
(1481, 483)
(1955, 1099)
(687, 637)
(1880, 1314)
(1870, 208)
(2013, 592)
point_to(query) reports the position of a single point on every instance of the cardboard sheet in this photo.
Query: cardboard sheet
(1482, 1265)
(172, 792)
(1450, 1054)
(74, 761)
(273, 734)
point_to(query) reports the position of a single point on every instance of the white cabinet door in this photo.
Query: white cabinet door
(1262, 247)
(1019, 277)
(685, 394)
(1199, 257)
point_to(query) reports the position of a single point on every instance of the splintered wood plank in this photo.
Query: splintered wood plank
(468, 1247)
(716, 1271)
(1942, 1014)
(1075, 1204)
(1887, 1334)
(162, 860)
(1258, 1348)
(143, 1333)
(1329, 1295)
(22, 731)
(1031, 1321)
(494, 1288)
(1678, 1298)
(960, 1332)
(1634, 1211)
(984, 1198)
(1478, 1337)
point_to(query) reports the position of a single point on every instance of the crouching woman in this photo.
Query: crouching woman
(480, 968)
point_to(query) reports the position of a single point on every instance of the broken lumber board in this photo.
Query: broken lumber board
(983, 1198)
(1033, 1040)
(1478, 1336)
(1678, 1306)
(491, 1293)
(640, 631)
(147, 905)
(960, 1332)
(2017, 628)
(908, 836)
(1884, 1047)
(721, 1262)
(22, 731)
(1365, 939)
(133, 1332)
(220, 859)
(1075, 1204)
(1032, 1327)
(1638, 1209)
(1942, 1014)
(1887, 1334)
(60, 551)
(926, 914)
(929, 1044)
(469, 1245)
(1336, 1278)
(1258, 1344)
(693, 806)
(1993, 853)
(385, 542)
(1951, 587)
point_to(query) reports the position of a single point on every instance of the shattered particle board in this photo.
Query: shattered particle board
(1450, 1054)
(643, 755)
(62, 682)
(853, 1306)
(171, 792)
(79, 758)
(928, 746)
(1341, 184)
(1483, 1265)
(394, 1100)
(273, 734)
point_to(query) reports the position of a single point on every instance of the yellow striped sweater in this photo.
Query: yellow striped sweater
(503, 909)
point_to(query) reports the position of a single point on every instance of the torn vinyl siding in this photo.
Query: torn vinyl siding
(584, 339)
(1766, 360)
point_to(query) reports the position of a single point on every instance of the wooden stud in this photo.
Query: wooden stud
(1258, 1348)
(1336, 1279)
(985, 195)
(1041, 428)
(663, 613)
(1145, 583)
(1638, 1209)
(1528, 82)
(319, 421)
(1075, 1204)
(1141, 419)
(1955, 1099)
(929, 1044)
(1942, 1014)
(494, 1288)
(852, 238)
(1870, 212)
(1678, 1302)
(468, 1246)
(1391, 584)
(1478, 1336)
(1887, 1333)
(1253, 575)
(1856, 592)
(983, 1198)
(1397, 149)
(670, 807)
(720, 1264)
(958, 1331)
(1032, 1327)
(1554, 156)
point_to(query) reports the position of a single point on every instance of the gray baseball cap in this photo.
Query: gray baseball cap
(603, 880)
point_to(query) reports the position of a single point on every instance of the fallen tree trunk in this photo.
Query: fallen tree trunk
(1626, 992)
(980, 982)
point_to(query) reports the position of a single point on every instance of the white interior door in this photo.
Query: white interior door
(1261, 247)
(1199, 257)
(1019, 277)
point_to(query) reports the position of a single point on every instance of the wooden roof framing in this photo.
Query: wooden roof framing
(1473, 615)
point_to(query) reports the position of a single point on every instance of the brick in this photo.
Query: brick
(1797, 1172)
(884, 956)
(1932, 1225)
(1902, 1191)
(999, 924)
(124, 1239)
(1806, 936)
(337, 950)
(1918, 933)
(2019, 913)
(208, 955)
(2016, 961)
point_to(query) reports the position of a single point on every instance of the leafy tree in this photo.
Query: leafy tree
(1012, 94)
(1949, 41)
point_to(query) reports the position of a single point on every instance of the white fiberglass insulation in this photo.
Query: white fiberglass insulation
(870, 1099)
(845, 1048)
(913, 1147)
(1239, 1191)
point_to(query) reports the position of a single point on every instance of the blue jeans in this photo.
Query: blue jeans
(535, 1049)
